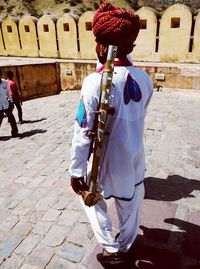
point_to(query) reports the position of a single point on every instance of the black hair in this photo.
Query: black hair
(9, 74)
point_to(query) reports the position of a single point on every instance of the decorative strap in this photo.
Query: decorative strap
(120, 62)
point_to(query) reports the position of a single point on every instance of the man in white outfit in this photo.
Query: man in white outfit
(122, 164)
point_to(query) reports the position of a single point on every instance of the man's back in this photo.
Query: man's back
(12, 86)
(122, 159)
(123, 164)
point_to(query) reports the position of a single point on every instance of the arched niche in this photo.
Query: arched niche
(67, 37)
(28, 36)
(86, 37)
(2, 48)
(174, 35)
(146, 41)
(47, 37)
(196, 40)
(11, 36)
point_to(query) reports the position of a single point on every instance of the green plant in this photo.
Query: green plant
(83, 9)
(35, 13)
(27, 1)
(66, 10)
(73, 3)
(96, 5)
(59, 1)
(20, 14)
(10, 9)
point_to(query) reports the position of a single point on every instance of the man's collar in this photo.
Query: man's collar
(118, 62)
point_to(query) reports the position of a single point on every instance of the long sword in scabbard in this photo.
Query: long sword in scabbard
(92, 196)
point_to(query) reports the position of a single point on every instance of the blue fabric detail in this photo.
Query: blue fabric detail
(131, 90)
(120, 198)
(81, 115)
(142, 181)
(123, 198)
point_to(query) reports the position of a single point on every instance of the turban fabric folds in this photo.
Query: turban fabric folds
(116, 26)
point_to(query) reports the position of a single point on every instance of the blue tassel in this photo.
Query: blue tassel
(131, 90)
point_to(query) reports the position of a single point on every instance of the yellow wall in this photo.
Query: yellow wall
(47, 37)
(73, 74)
(28, 37)
(11, 37)
(196, 40)
(86, 36)
(146, 40)
(2, 49)
(174, 37)
(67, 37)
(35, 80)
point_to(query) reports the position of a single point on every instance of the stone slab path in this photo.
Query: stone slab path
(42, 225)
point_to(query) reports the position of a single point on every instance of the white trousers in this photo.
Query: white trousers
(129, 213)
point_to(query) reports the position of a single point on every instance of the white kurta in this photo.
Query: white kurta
(4, 95)
(122, 165)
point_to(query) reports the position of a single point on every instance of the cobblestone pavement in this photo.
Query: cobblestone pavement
(42, 224)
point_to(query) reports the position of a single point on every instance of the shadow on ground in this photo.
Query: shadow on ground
(5, 138)
(181, 251)
(32, 132)
(172, 188)
(159, 248)
(24, 134)
(33, 121)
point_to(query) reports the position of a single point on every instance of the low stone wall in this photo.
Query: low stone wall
(174, 76)
(48, 78)
(35, 80)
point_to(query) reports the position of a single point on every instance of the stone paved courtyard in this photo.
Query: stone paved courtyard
(42, 224)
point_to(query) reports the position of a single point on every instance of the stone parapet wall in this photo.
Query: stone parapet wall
(36, 80)
(173, 36)
(173, 76)
(48, 77)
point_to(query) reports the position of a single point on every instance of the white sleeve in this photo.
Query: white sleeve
(84, 122)
(151, 91)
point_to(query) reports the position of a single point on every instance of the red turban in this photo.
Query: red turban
(115, 26)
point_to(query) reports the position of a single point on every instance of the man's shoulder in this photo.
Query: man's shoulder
(11, 82)
(144, 78)
(4, 82)
(141, 72)
(94, 77)
(91, 84)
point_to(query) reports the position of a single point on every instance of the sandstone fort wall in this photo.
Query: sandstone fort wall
(172, 37)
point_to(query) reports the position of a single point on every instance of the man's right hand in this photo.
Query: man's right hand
(78, 185)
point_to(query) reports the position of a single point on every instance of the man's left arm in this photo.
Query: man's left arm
(150, 92)
(81, 142)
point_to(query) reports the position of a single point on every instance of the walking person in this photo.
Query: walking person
(6, 106)
(122, 162)
(15, 94)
